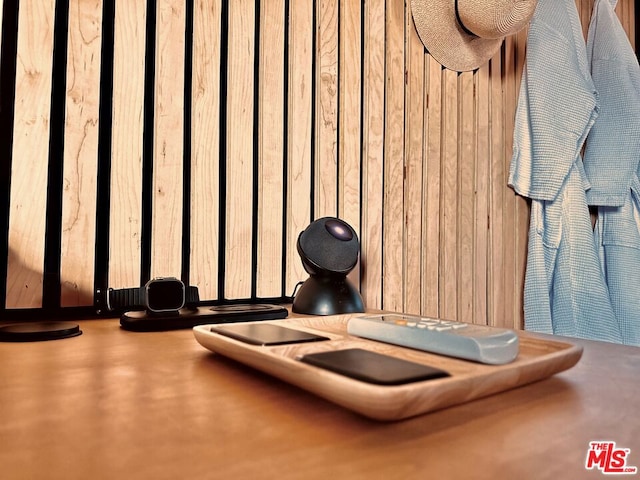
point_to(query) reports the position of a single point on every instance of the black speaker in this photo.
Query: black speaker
(329, 250)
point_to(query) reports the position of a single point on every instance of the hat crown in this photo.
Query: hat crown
(494, 18)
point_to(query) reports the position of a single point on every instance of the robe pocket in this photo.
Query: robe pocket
(620, 225)
(546, 218)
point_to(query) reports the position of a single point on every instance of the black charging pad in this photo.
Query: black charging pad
(38, 331)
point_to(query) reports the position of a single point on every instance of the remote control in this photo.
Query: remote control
(479, 343)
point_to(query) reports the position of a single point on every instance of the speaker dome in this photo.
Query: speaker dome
(328, 245)
(329, 250)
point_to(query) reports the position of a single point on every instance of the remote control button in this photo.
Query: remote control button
(429, 322)
(443, 328)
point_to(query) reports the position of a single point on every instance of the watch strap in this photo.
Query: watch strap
(191, 296)
(133, 298)
(125, 298)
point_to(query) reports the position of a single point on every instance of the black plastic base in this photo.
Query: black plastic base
(327, 295)
(141, 321)
(38, 331)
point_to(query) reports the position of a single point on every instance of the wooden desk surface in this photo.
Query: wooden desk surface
(123, 405)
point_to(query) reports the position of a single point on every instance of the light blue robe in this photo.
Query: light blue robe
(612, 159)
(565, 290)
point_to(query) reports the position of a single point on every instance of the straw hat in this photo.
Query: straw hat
(462, 35)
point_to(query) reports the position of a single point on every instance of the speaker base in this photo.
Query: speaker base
(327, 295)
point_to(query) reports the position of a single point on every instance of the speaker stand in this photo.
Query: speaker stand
(327, 295)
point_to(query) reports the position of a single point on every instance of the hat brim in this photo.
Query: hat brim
(446, 41)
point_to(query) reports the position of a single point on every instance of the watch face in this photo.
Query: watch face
(165, 294)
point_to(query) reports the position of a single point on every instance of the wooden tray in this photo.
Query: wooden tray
(537, 359)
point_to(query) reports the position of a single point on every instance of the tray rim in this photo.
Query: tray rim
(397, 402)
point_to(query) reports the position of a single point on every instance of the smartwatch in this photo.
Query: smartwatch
(158, 295)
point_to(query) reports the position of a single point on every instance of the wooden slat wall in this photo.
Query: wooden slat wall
(205, 151)
(125, 158)
(197, 139)
(28, 201)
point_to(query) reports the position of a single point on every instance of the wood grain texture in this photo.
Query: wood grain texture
(432, 145)
(326, 108)
(482, 119)
(536, 360)
(80, 153)
(393, 213)
(497, 177)
(270, 201)
(168, 145)
(298, 135)
(350, 113)
(205, 138)
(168, 165)
(307, 109)
(125, 217)
(108, 395)
(350, 120)
(509, 93)
(413, 191)
(371, 244)
(448, 293)
(240, 150)
(30, 155)
(467, 159)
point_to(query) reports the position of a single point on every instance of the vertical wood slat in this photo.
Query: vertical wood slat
(413, 165)
(481, 204)
(80, 153)
(126, 145)
(467, 159)
(271, 150)
(30, 155)
(509, 200)
(298, 134)
(349, 109)
(448, 282)
(373, 152)
(167, 198)
(326, 109)
(350, 118)
(239, 160)
(432, 145)
(393, 213)
(205, 139)
(496, 185)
